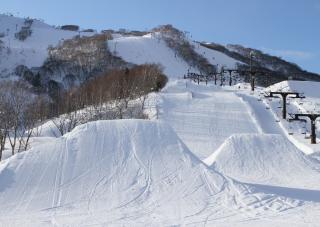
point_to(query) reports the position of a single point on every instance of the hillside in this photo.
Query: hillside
(278, 69)
(32, 50)
(38, 53)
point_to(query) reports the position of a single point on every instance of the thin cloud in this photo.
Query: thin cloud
(295, 54)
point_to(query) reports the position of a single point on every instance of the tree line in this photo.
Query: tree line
(118, 94)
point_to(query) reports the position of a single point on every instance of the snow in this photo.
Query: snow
(309, 88)
(148, 49)
(204, 117)
(266, 159)
(121, 172)
(215, 57)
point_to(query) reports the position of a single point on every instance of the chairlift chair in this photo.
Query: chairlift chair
(290, 132)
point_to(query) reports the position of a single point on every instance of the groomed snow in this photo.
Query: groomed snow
(120, 173)
(204, 116)
(266, 159)
(216, 58)
(148, 49)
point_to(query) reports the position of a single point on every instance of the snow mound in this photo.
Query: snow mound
(121, 172)
(266, 159)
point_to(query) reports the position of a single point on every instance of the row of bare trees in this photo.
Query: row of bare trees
(20, 111)
(114, 95)
(117, 94)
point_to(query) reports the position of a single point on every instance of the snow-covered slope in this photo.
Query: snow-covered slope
(149, 49)
(216, 58)
(31, 52)
(204, 116)
(266, 159)
(152, 49)
(121, 172)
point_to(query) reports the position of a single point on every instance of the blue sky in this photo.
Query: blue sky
(286, 28)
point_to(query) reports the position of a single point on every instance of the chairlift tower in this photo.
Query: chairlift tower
(313, 117)
(284, 95)
(230, 71)
(221, 76)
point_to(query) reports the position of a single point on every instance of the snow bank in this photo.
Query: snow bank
(266, 159)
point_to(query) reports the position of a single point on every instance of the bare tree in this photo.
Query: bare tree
(3, 121)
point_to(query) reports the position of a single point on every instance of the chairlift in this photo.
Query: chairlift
(307, 135)
(290, 130)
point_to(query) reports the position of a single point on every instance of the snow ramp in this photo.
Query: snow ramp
(122, 173)
(266, 159)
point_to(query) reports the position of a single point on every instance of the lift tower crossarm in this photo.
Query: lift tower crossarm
(252, 73)
(284, 95)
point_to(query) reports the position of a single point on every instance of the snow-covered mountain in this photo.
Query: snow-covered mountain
(277, 67)
(29, 48)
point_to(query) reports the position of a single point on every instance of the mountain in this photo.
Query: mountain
(49, 57)
(277, 68)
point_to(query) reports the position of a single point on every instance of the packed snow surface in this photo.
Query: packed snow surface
(120, 173)
(266, 159)
(204, 116)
